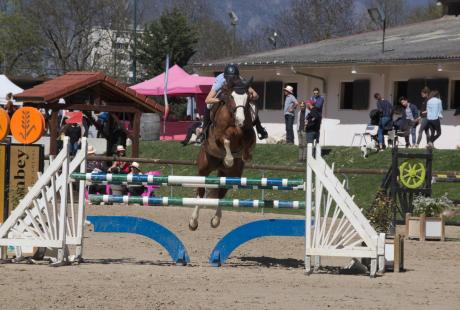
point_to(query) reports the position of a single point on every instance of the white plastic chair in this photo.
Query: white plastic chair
(368, 132)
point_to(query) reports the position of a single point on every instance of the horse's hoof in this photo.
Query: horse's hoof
(193, 225)
(215, 221)
(228, 162)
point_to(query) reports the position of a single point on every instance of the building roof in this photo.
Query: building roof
(430, 41)
(76, 82)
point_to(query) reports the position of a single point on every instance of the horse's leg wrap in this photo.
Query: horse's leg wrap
(193, 224)
(228, 160)
(215, 220)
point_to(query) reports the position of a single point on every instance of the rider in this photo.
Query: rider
(230, 74)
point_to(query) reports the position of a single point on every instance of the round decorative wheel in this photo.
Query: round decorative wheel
(412, 174)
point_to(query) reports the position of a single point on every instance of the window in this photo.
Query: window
(355, 95)
(400, 90)
(274, 95)
(455, 96)
(414, 87)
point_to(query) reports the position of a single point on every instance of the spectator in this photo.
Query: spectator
(102, 124)
(290, 104)
(434, 115)
(301, 132)
(194, 129)
(318, 100)
(74, 134)
(386, 110)
(93, 166)
(411, 114)
(135, 189)
(313, 123)
(9, 106)
(422, 118)
(120, 166)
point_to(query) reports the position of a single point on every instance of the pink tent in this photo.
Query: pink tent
(180, 83)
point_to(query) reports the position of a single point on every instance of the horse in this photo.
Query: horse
(229, 144)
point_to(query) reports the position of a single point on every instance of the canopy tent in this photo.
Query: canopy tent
(6, 86)
(180, 83)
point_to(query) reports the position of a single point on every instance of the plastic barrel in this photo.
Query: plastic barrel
(150, 126)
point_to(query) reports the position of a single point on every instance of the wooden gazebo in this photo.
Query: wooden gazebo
(86, 92)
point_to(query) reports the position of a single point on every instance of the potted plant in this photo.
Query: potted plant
(427, 220)
(380, 217)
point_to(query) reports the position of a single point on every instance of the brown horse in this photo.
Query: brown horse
(229, 144)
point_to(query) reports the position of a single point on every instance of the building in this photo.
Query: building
(349, 70)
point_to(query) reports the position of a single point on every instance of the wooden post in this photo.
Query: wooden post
(408, 215)
(422, 227)
(136, 133)
(443, 228)
(53, 132)
(398, 262)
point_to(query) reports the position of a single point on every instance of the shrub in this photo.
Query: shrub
(379, 214)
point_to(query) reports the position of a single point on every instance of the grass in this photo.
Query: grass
(363, 187)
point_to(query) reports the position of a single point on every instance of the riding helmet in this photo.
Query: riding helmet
(231, 71)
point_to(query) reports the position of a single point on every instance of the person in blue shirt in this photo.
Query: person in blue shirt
(230, 74)
(318, 100)
(433, 115)
(290, 105)
(386, 113)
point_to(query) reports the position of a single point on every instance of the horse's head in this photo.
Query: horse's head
(238, 95)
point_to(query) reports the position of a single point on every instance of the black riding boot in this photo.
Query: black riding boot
(206, 123)
(261, 132)
(187, 137)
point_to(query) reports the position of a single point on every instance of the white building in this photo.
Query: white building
(349, 70)
(112, 52)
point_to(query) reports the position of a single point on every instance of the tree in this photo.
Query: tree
(170, 34)
(314, 20)
(19, 50)
(70, 29)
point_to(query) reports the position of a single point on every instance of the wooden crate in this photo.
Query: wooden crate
(423, 228)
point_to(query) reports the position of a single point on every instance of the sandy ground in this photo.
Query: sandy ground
(125, 271)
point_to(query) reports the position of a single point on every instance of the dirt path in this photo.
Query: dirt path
(124, 271)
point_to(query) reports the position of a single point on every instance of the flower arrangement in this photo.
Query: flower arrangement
(430, 206)
(379, 214)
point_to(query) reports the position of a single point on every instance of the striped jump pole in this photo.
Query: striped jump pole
(446, 178)
(193, 181)
(208, 202)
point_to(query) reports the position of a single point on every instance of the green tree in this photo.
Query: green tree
(20, 41)
(170, 34)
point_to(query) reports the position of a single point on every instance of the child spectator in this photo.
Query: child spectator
(93, 166)
(135, 189)
(120, 166)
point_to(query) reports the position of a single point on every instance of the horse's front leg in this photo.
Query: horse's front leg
(228, 159)
(204, 169)
(193, 223)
